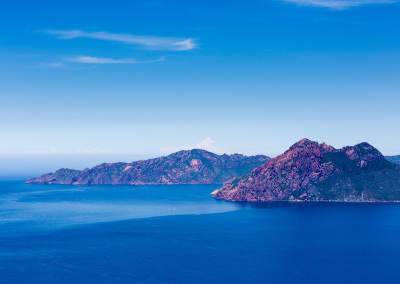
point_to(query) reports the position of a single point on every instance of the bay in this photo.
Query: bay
(180, 234)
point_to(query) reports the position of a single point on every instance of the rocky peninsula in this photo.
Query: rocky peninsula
(310, 171)
(184, 167)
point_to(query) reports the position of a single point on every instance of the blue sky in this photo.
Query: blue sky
(88, 81)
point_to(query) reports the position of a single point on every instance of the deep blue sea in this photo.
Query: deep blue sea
(180, 234)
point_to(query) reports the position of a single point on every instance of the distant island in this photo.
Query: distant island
(393, 159)
(310, 171)
(184, 167)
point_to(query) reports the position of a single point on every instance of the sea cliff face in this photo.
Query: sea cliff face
(185, 167)
(310, 171)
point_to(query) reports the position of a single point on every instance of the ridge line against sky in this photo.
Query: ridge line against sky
(339, 4)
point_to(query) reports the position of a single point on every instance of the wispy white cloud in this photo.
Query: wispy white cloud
(149, 42)
(100, 60)
(206, 144)
(339, 4)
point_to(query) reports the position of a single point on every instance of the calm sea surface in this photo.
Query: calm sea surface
(179, 234)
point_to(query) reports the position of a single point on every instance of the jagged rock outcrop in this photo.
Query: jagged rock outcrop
(184, 167)
(310, 171)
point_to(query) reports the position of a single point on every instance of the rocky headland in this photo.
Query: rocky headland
(184, 167)
(310, 171)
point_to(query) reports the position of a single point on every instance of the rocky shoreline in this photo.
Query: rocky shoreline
(315, 172)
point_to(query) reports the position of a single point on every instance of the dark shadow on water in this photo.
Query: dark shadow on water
(257, 205)
(283, 204)
(264, 205)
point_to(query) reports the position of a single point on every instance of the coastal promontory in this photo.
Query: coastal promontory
(184, 167)
(309, 171)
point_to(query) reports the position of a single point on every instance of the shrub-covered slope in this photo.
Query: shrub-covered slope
(319, 172)
(184, 167)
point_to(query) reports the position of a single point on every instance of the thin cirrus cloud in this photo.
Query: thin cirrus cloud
(148, 42)
(99, 60)
(339, 4)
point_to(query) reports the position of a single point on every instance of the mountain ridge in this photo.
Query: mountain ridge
(393, 159)
(196, 166)
(309, 171)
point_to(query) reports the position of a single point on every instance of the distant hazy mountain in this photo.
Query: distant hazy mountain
(319, 172)
(184, 167)
(393, 159)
